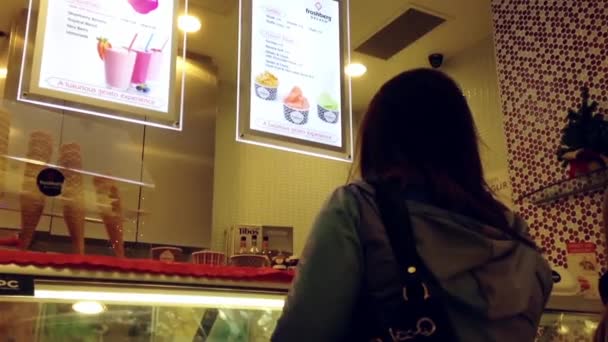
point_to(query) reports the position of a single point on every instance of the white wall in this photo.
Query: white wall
(256, 185)
(475, 70)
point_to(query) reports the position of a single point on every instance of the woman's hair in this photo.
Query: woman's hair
(419, 129)
(601, 334)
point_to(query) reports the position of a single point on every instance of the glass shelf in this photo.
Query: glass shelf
(14, 177)
(138, 307)
(79, 171)
(592, 181)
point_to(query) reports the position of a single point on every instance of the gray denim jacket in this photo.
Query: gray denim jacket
(497, 287)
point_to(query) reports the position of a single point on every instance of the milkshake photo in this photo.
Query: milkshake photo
(127, 46)
(119, 64)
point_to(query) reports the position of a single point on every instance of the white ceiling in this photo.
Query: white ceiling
(468, 21)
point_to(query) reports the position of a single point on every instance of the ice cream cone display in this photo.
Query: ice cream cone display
(5, 124)
(73, 195)
(110, 209)
(32, 205)
(40, 148)
(74, 216)
(114, 228)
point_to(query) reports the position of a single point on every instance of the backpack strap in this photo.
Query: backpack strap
(420, 314)
(398, 226)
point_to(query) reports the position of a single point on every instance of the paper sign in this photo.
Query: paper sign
(582, 263)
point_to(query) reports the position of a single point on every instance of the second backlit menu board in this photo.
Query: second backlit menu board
(296, 70)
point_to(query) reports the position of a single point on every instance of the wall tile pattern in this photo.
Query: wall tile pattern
(546, 51)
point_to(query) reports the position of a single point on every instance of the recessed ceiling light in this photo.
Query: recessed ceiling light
(355, 70)
(89, 308)
(189, 23)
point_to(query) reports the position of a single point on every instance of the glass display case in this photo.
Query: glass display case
(569, 319)
(70, 305)
(104, 303)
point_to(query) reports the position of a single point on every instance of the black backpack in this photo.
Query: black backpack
(418, 313)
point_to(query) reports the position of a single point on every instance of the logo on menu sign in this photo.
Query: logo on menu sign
(317, 15)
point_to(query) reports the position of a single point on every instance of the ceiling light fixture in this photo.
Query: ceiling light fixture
(3, 73)
(189, 23)
(355, 70)
(89, 307)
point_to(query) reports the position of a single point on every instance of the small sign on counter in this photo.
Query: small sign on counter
(582, 263)
(279, 239)
(16, 285)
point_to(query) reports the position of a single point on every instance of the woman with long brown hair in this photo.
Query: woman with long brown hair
(601, 333)
(419, 248)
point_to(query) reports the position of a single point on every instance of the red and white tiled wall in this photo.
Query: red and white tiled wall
(546, 51)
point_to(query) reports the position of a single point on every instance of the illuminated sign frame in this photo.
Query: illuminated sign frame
(29, 92)
(245, 134)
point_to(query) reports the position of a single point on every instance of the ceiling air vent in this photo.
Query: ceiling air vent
(400, 33)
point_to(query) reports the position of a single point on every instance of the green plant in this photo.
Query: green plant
(586, 130)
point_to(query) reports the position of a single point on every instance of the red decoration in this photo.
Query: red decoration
(585, 161)
(113, 264)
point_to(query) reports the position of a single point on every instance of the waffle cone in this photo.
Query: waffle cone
(74, 216)
(40, 146)
(32, 202)
(32, 205)
(73, 195)
(5, 124)
(70, 156)
(115, 233)
(73, 186)
(107, 191)
(68, 147)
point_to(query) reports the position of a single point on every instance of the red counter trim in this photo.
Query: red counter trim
(143, 266)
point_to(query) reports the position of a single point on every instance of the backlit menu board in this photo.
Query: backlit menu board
(113, 54)
(296, 70)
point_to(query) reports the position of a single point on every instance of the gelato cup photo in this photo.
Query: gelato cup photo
(266, 86)
(296, 107)
(328, 108)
